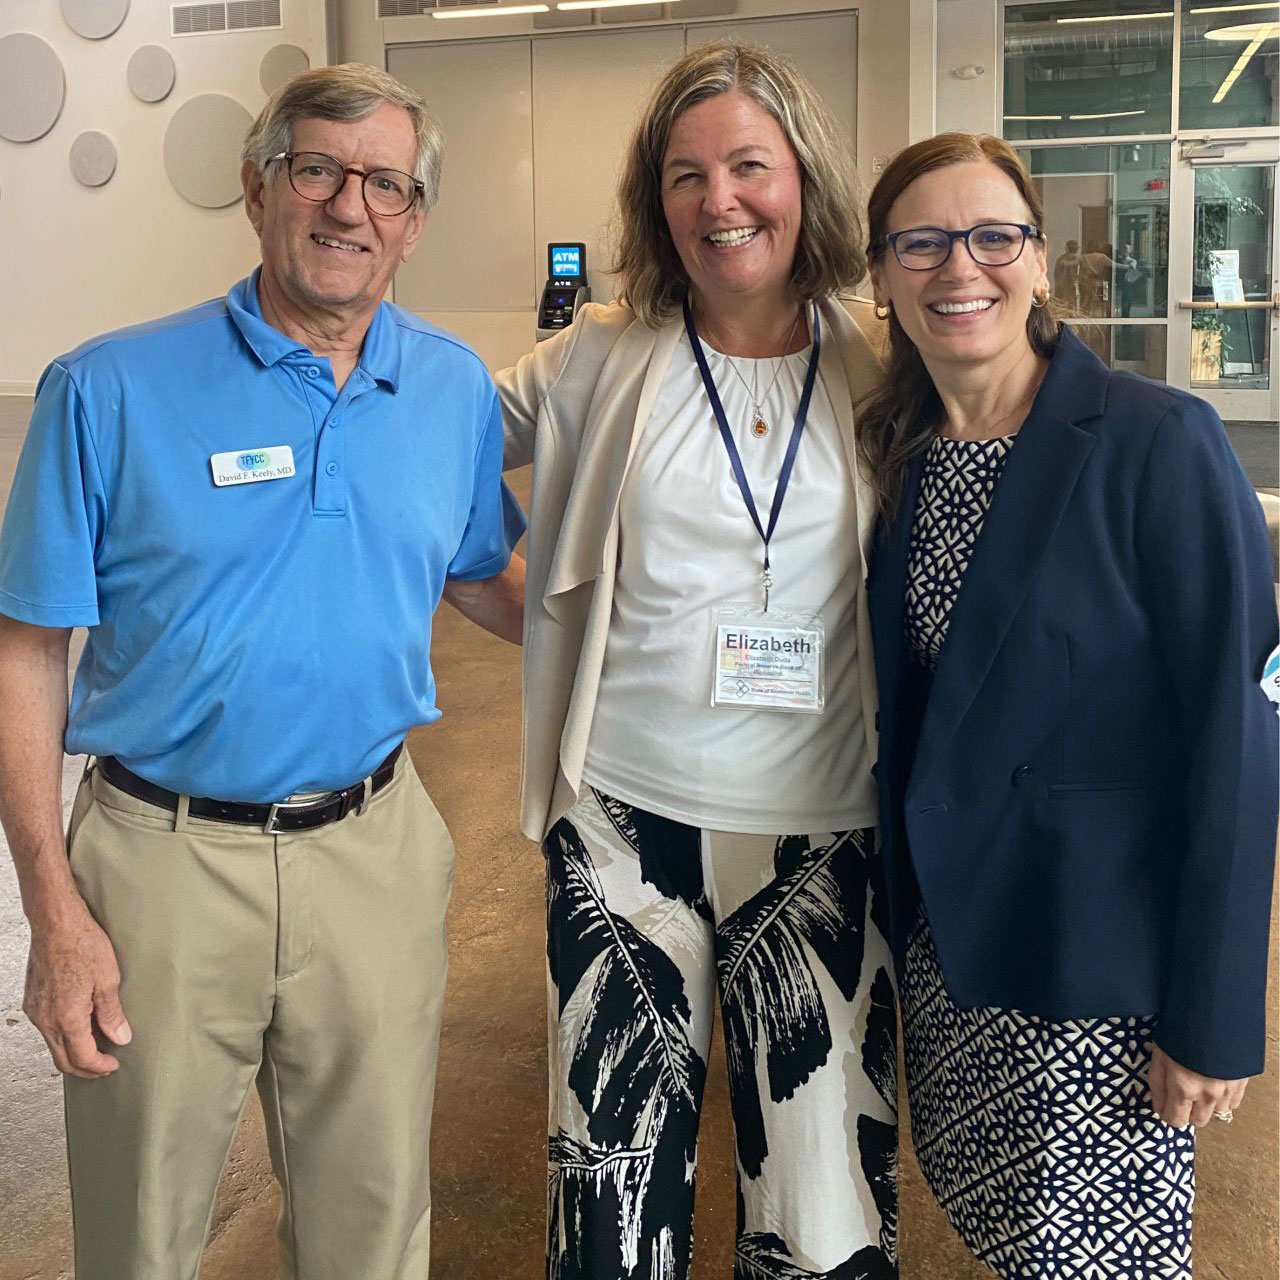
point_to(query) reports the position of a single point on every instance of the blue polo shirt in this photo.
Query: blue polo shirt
(254, 640)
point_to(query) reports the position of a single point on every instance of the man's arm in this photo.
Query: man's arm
(496, 604)
(72, 975)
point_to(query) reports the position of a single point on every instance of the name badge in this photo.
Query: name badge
(768, 661)
(249, 466)
(1271, 676)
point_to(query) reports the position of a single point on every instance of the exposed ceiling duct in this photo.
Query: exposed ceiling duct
(1053, 39)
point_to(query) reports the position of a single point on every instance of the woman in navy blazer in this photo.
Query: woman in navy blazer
(1071, 604)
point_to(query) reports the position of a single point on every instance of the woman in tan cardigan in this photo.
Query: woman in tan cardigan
(699, 699)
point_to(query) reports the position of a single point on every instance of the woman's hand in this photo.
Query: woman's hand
(1180, 1096)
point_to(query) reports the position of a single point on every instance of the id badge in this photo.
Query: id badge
(1271, 676)
(250, 466)
(768, 661)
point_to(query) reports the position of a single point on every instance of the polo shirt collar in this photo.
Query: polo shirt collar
(379, 354)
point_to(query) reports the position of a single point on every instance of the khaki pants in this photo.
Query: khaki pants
(311, 963)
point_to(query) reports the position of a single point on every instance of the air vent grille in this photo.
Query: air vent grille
(223, 16)
(198, 19)
(244, 15)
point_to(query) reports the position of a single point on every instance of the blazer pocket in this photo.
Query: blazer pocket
(1094, 788)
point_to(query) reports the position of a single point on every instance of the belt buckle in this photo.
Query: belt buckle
(347, 800)
(272, 827)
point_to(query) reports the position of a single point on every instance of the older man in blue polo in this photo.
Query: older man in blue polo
(254, 507)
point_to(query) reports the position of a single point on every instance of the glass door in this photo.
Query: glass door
(1224, 323)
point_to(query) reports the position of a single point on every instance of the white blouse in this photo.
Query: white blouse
(688, 546)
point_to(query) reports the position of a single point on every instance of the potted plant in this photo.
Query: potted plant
(1208, 346)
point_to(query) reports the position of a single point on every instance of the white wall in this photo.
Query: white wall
(79, 260)
(884, 42)
(968, 37)
(886, 113)
(923, 53)
(91, 260)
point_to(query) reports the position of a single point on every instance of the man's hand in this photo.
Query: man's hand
(1180, 1096)
(73, 983)
(72, 976)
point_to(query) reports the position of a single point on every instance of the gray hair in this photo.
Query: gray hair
(351, 91)
(831, 250)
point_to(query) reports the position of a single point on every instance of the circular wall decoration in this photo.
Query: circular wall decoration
(93, 158)
(32, 87)
(280, 64)
(151, 73)
(94, 19)
(202, 149)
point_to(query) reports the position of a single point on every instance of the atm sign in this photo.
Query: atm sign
(566, 262)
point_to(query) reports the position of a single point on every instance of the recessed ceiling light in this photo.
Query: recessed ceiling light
(490, 11)
(1120, 17)
(608, 4)
(1266, 29)
(1107, 115)
(1235, 8)
(1245, 31)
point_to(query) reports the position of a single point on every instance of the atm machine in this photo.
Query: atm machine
(566, 288)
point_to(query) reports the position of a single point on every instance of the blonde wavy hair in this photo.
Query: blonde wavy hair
(831, 250)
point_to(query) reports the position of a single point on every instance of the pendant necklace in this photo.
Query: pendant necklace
(759, 425)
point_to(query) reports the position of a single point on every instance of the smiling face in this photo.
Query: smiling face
(332, 261)
(962, 312)
(731, 193)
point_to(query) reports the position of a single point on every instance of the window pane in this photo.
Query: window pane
(1230, 347)
(1088, 68)
(1229, 64)
(1139, 348)
(1107, 222)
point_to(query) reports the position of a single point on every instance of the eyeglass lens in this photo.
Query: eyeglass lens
(994, 244)
(319, 177)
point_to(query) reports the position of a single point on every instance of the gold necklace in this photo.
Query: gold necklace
(759, 425)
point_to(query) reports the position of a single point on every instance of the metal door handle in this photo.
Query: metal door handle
(1262, 304)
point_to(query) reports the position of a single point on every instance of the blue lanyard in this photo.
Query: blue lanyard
(735, 459)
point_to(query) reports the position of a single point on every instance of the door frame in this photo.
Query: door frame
(1189, 155)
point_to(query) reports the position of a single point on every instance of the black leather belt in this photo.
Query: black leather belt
(288, 815)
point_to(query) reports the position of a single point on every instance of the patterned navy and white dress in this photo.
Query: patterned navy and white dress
(1036, 1137)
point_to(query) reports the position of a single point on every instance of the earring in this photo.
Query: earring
(884, 310)
(1040, 300)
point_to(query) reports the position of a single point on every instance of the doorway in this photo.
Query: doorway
(1224, 323)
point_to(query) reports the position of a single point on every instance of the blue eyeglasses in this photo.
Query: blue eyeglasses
(990, 244)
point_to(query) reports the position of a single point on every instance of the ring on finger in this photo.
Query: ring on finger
(1226, 1115)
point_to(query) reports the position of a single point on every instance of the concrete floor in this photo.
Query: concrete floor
(1257, 445)
(488, 1142)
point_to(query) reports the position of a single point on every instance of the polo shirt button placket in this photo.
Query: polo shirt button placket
(330, 489)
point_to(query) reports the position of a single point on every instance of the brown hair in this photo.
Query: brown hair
(900, 416)
(830, 253)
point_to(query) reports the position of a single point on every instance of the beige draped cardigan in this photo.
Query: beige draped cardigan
(575, 407)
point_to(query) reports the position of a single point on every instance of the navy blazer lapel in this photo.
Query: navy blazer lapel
(1039, 478)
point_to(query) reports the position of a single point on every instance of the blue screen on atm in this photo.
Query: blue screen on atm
(566, 260)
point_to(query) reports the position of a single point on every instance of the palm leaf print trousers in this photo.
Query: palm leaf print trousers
(648, 919)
